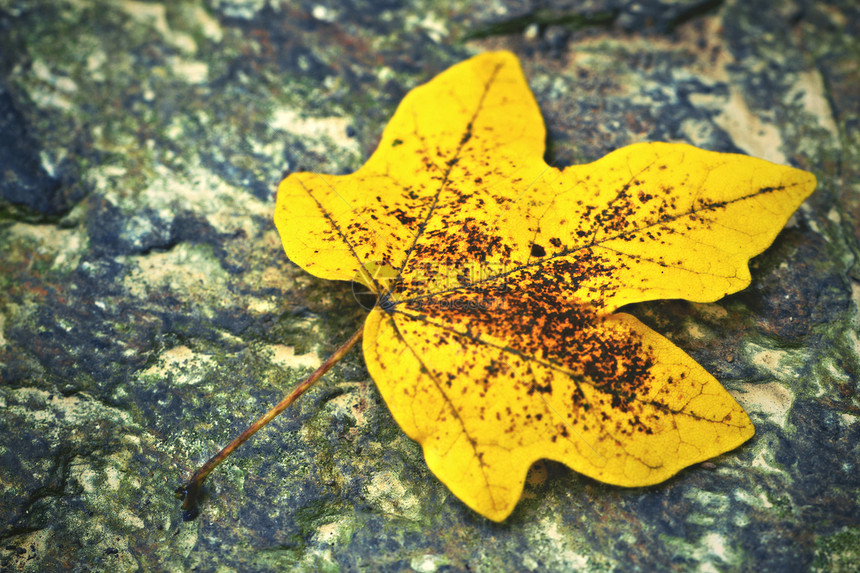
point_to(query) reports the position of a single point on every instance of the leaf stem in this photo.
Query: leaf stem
(191, 491)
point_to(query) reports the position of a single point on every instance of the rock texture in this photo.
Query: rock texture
(148, 314)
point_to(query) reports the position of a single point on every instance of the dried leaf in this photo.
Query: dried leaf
(495, 340)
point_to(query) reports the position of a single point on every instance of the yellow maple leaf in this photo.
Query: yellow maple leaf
(494, 340)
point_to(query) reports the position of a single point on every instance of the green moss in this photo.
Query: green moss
(782, 505)
(838, 553)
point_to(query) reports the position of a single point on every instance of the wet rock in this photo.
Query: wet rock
(148, 314)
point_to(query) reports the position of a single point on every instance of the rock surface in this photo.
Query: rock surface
(148, 314)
